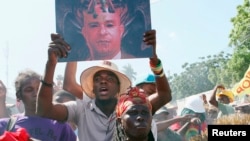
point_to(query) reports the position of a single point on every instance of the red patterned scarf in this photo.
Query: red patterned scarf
(134, 96)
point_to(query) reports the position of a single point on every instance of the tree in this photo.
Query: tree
(240, 39)
(200, 76)
(240, 34)
(226, 69)
(129, 71)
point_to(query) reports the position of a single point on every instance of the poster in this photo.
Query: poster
(103, 29)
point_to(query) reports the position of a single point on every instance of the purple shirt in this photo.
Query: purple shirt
(42, 128)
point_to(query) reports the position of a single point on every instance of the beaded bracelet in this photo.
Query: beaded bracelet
(46, 83)
(152, 65)
(160, 75)
(156, 68)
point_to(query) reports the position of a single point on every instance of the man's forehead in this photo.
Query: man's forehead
(223, 96)
(101, 17)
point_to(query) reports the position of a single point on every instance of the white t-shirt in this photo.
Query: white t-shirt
(154, 129)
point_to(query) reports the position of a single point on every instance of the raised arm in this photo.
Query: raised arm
(69, 83)
(57, 48)
(212, 99)
(3, 108)
(163, 95)
(162, 125)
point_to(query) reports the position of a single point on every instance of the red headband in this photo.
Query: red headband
(134, 96)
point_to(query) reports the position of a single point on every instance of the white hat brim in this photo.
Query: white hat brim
(87, 75)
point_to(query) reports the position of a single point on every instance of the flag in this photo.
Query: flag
(243, 87)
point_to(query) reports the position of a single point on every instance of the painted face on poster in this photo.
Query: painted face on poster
(104, 30)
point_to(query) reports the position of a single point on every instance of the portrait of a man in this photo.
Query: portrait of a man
(104, 29)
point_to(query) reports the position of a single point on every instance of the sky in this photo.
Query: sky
(186, 30)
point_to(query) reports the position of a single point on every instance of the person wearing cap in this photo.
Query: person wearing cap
(221, 99)
(147, 83)
(161, 118)
(163, 123)
(94, 111)
(197, 123)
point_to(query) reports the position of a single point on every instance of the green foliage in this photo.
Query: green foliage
(240, 38)
(200, 76)
(240, 34)
(239, 63)
(226, 69)
(222, 68)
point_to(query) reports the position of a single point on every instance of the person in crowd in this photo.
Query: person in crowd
(205, 102)
(197, 124)
(204, 98)
(160, 119)
(164, 121)
(211, 114)
(3, 109)
(211, 111)
(94, 114)
(9, 108)
(243, 108)
(133, 117)
(147, 83)
(27, 84)
(225, 97)
(246, 98)
(62, 96)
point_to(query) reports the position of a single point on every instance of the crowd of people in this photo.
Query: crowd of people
(132, 118)
(106, 106)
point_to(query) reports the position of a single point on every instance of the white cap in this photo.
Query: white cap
(195, 103)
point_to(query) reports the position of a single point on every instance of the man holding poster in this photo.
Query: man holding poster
(104, 29)
(100, 87)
